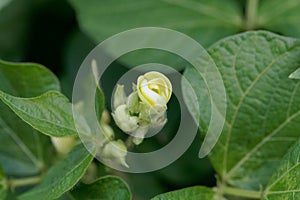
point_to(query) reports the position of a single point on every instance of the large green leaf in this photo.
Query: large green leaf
(192, 193)
(106, 188)
(205, 21)
(50, 113)
(280, 16)
(263, 105)
(285, 184)
(62, 176)
(22, 148)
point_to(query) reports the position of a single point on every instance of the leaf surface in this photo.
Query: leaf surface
(108, 188)
(62, 176)
(204, 21)
(284, 183)
(192, 193)
(262, 105)
(22, 147)
(50, 113)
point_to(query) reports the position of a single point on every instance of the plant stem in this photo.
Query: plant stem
(251, 12)
(241, 192)
(13, 183)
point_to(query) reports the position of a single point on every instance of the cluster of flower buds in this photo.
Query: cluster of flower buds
(135, 114)
(145, 107)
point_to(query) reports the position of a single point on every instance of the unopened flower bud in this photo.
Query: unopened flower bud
(108, 131)
(139, 134)
(115, 151)
(63, 144)
(124, 121)
(120, 97)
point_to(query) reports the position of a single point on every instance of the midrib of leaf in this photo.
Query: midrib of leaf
(22, 146)
(226, 174)
(206, 10)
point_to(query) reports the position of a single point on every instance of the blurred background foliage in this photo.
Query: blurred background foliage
(50, 33)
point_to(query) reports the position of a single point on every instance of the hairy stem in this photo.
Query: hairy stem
(251, 12)
(241, 192)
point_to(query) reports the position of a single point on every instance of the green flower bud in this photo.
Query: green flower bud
(105, 117)
(120, 97)
(124, 121)
(133, 103)
(115, 151)
(108, 131)
(139, 134)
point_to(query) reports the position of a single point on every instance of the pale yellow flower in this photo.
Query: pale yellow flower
(154, 89)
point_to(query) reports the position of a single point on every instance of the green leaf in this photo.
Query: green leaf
(50, 113)
(62, 176)
(192, 193)
(295, 74)
(284, 183)
(3, 187)
(280, 16)
(205, 21)
(262, 105)
(108, 188)
(22, 148)
(26, 79)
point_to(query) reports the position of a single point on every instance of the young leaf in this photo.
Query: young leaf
(62, 176)
(205, 21)
(192, 193)
(284, 183)
(262, 105)
(50, 113)
(22, 147)
(295, 74)
(109, 187)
